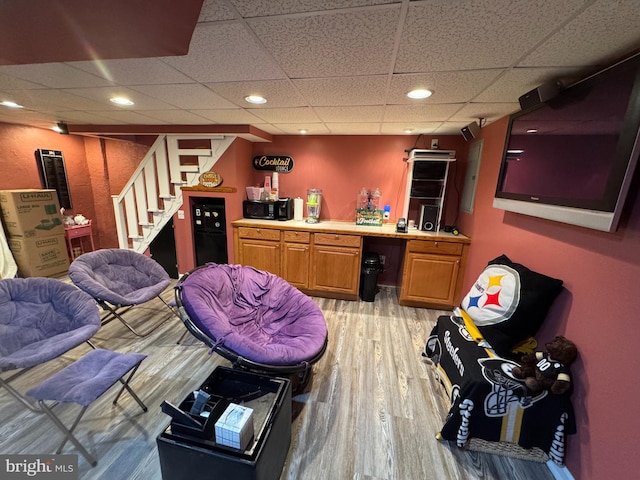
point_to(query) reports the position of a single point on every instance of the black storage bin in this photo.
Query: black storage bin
(185, 456)
(371, 267)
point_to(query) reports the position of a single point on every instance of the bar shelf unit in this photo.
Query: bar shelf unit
(426, 187)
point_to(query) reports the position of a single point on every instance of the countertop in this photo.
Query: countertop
(332, 226)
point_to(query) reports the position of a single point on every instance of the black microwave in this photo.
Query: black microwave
(265, 210)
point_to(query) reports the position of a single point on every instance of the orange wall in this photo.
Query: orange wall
(596, 311)
(96, 169)
(341, 165)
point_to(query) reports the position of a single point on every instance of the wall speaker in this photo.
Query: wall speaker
(471, 131)
(428, 218)
(543, 93)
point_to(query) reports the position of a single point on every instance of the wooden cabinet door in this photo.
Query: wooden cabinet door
(429, 280)
(262, 255)
(335, 269)
(295, 264)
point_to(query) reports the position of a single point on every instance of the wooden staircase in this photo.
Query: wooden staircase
(152, 195)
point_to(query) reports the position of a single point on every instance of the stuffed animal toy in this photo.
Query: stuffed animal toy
(550, 370)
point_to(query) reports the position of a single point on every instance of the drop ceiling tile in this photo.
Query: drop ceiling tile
(8, 82)
(189, 96)
(267, 127)
(229, 116)
(222, 52)
(215, 11)
(264, 8)
(102, 95)
(134, 71)
(54, 99)
(54, 75)
(340, 91)
(286, 115)
(441, 35)
(350, 114)
(515, 82)
(603, 32)
(447, 87)
(176, 117)
(294, 128)
(82, 118)
(363, 128)
(417, 128)
(279, 93)
(489, 111)
(450, 128)
(354, 42)
(123, 117)
(420, 113)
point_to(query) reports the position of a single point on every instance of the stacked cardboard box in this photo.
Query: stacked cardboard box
(36, 233)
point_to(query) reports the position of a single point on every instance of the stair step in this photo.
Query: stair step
(190, 168)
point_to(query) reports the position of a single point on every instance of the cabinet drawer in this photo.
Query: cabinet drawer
(293, 236)
(434, 246)
(337, 239)
(259, 233)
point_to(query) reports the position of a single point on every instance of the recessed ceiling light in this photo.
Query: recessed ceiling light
(302, 131)
(121, 101)
(408, 130)
(257, 99)
(419, 93)
(7, 103)
(532, 130)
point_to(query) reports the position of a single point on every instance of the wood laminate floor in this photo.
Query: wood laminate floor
(371, 412)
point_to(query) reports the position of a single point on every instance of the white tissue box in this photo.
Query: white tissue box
(234, 428)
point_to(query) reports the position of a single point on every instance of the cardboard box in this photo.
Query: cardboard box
(40, 256)
(31, 213)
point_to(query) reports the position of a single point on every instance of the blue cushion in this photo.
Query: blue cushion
(86, 379)
(119, 276)
(42, 318)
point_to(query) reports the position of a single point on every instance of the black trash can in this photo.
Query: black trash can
(371, 267)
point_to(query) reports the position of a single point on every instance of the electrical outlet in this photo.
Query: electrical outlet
(382, 259)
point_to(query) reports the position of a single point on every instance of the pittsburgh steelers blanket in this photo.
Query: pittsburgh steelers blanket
(488, 402)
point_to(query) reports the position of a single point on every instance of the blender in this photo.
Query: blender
(314, 199)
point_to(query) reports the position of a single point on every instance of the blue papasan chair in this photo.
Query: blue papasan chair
(119, 279)
(40, 320)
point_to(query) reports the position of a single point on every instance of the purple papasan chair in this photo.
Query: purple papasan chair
(119, 279)
(254, 319)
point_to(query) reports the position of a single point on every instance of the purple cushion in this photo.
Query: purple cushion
(256, 314)
(119, 276)
(42, 318)
(86, 379)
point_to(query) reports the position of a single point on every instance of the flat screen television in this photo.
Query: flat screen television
(571, 158)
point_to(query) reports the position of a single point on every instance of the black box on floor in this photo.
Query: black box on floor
(184, 456)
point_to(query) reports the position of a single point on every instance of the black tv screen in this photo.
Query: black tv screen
(571, 159)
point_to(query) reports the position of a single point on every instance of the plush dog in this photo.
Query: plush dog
(550, 370)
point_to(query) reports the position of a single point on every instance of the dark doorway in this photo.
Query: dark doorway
(163, 249)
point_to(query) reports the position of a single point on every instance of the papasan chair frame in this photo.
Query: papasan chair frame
(119, 279)
(298, 370)
(40, 320)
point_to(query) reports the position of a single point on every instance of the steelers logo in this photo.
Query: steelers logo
(494, 297)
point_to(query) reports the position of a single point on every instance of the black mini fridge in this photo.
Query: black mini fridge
(209, 230)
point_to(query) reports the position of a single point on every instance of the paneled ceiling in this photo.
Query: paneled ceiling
(326, 66)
